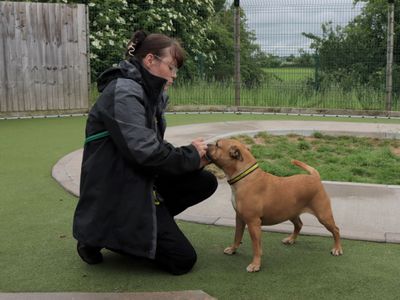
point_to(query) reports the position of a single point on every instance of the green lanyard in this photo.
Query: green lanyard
(96, 136)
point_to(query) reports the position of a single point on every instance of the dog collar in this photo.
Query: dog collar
(243, 174)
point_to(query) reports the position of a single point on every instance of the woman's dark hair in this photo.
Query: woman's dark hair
(142, 44)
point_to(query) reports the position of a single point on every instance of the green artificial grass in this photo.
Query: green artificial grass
(37, 250)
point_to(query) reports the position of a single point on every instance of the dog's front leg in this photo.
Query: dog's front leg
(240, 225)
(255, 234)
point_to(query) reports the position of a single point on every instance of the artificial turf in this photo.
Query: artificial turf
(37, 250)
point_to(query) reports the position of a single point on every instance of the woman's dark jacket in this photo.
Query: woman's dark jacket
(116, 207)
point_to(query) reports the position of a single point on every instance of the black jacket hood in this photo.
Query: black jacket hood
(133, 69)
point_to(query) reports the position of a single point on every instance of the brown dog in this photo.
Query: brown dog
(260, 198)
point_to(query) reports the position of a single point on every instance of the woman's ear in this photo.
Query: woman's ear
(148, 60)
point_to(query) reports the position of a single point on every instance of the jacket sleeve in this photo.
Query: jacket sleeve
(125, 119)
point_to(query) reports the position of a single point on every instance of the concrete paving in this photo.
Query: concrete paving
(183, 295)
(362, 211)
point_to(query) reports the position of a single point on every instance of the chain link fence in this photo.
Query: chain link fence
(294, 55)
(331, 55)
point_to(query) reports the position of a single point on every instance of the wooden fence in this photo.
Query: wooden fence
(44, 63)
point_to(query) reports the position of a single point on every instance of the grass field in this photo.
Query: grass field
(291, 75)
(285, 87)
(37, 250)
(349, 159)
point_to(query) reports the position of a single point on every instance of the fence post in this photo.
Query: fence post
(389, 56)
(317, 67)
(237, 51)
(89, 75)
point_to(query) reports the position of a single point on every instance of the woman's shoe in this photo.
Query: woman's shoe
(90, 255)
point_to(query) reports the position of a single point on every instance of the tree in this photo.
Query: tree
(251, 56)
(356, 54)
(304, 59)
(269, 60)
(113, 21)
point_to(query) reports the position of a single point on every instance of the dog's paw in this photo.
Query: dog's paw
(337, 251)
(230, 251)
(288, 241)
(251, 268)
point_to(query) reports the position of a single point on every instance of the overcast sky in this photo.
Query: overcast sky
(278, 24)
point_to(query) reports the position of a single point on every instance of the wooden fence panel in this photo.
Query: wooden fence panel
(44, 67)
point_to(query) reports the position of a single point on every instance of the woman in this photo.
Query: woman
(133, 182)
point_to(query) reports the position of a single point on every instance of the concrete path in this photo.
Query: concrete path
(183, 295)
(362, 211)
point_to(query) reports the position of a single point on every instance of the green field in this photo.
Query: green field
(342, 158)
(291, 75)
(283, 88)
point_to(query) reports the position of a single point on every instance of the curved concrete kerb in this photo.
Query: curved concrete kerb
(362, 211)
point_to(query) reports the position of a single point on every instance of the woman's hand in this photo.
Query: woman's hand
(201, 148)
(204, 162)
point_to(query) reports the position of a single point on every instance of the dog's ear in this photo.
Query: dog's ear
(234, 152)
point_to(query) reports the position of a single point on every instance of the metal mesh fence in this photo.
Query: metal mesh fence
(301, 54)
(317, 56)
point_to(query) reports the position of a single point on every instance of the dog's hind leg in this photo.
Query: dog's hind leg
(323, 212)
(326, 219)
(291, 239)
(329, 224)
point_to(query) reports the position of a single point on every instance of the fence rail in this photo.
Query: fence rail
(43, 58)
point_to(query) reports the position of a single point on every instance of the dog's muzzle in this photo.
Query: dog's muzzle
(208, 157)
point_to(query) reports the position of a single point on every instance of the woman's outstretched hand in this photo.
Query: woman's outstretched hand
(201, 148)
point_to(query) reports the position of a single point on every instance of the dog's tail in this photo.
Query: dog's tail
(306, 167)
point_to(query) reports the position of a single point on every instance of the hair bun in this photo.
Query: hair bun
(136, 41)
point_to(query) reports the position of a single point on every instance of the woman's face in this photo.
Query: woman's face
(162, 66)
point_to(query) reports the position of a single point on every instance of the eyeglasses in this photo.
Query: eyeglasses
(172, 68)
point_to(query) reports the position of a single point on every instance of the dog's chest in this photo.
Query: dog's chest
(233, 197)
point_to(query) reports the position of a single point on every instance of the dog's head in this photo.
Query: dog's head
(230, 155)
